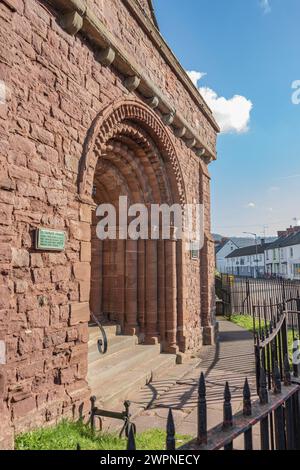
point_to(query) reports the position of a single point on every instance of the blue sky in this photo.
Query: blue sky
(248, 48)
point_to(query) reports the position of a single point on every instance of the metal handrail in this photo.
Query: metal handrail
(102, 343)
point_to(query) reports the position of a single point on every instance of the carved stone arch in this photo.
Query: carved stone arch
(106, 126)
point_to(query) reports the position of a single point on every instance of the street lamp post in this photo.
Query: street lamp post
(256, 251)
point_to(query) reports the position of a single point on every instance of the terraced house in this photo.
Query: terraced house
(94, 105)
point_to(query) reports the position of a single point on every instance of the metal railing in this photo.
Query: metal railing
(275, 418)
(102, 342)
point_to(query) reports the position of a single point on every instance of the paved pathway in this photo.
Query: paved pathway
(231, 360)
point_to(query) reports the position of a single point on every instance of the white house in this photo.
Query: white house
(283, 256)
(223, 249)
(248, 261)
(227, 246)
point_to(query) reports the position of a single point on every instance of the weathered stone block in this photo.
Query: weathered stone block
(82, 271)
(85, 213)
(85, 252)
(80, 313)
(20, 258)
(80, 230)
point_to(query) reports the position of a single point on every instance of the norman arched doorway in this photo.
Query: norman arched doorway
(135, 283)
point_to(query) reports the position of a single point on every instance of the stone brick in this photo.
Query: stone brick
(48, 153)
(30, 340)
(6, 214)
(20, 258)
(82, 271)
(72, 334)
(80, 313)
(41, 275)
(67, 376)
(60, 273)
(86, 213)
(39, 318)
(5, 253)
(21, 286)
(5, 297)
(57, 198)
(71, 163)
(85, 288)
(42, 135)
(36, 260)
(23, 407)
(85, 252)
(22, 144)
(80, 230)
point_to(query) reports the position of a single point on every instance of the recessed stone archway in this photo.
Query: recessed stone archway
(137, 283)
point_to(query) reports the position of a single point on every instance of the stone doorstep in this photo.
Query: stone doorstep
(110, 330)
(164, 381)
(109, 368)
(119, 387)
(115, 345)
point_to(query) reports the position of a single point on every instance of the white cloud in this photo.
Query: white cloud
(233, 114)
(196, 76)
(251, 205)
(265, 5)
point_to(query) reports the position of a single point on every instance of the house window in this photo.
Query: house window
(291, 252)
(268, 255)
(194, 249)
(297, 270)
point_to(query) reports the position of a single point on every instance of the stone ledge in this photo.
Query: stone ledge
(77, 16)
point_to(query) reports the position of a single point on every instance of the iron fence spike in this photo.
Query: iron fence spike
(170, 442)
(247, 408)
(131, 439)
(276, 379)
(287, 371)
(263, 391)
(227, 408)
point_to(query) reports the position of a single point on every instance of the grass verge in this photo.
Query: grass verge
(67, 435)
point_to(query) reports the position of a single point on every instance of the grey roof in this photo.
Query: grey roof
(248, 250)
(286, 240)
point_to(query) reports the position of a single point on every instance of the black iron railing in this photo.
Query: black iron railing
(102, 342)
(275, 418)
(244, 293)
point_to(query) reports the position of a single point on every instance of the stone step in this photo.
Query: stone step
(108, 367)
(115, 345)
(122, 385)
(111, 330)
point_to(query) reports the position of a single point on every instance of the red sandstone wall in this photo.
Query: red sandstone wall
(55, 89)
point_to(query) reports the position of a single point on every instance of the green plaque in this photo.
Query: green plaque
(50, 240)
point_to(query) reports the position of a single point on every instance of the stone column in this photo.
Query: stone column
(207, 266)
(151, 293)
(181, 294)
(131, 326)
(106, 288)
(96, 271)
(171, 295)
(161, 292)
(141, 286)
(119, 291)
